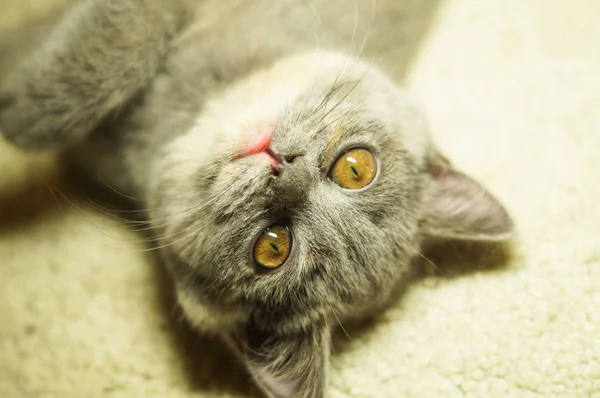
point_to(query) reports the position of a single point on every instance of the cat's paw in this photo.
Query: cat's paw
(33, 121)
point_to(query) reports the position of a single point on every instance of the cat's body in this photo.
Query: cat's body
(163, 99)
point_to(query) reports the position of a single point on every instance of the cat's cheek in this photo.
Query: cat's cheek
(206, 318)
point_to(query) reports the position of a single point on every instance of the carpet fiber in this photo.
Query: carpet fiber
(512, 88)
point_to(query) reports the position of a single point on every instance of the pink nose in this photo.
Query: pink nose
(259, 145)
(260, 142)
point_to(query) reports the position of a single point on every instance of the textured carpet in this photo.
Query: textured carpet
(513, 91)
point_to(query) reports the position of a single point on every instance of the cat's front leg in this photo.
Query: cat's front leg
(101, 54)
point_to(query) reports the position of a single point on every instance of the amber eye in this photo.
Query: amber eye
(354, 169)
(273, 246)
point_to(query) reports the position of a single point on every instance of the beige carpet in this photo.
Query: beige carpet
(513, 91)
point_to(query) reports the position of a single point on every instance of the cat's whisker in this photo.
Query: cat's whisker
(165, 235)
(193, 211)
(117, 191)
(316, 13)
(141, 209)
(212, 219)
(350, 63)
(50, 189)
(331, 343)
(368, 32)
(338, 103)
(155, 248)
(355, 27)
(334, 90)
(192, 225)
(358, 81)
(344, 71)
(75, 205)
(151, 225)
(353, 107)
(340, 323)
(111, 213)
(100, 228)
(169, 236)
(430, 262)
(347, 69)
(145, 225)
(330, 93)
(188, 214)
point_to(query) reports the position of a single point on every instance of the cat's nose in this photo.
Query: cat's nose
(293, 179)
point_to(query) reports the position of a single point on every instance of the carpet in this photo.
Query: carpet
(512, 89)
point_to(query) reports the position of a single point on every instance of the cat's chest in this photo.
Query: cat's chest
(226, 40)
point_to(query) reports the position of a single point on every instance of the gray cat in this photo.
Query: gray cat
(289, 180)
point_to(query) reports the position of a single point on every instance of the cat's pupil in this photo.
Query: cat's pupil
(273, 246)
(355, 169)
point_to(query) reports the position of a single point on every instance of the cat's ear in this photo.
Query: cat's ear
(100, 55)
(457, 207)
(288, 365)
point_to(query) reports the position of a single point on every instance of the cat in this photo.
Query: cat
(288, 179)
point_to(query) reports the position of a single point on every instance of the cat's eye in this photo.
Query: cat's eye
(354, 169)
(273, 246)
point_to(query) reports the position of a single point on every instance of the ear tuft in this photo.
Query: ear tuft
(457, 207)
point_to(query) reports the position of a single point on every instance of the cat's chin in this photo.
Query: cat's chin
(253, 104)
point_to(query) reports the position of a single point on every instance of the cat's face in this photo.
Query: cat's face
(297, 200)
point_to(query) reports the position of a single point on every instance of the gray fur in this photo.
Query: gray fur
(156, 97)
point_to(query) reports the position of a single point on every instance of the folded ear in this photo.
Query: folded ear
(455, 206)
(98, 57)
(288, 365)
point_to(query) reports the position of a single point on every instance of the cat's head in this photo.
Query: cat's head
(298, 199)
